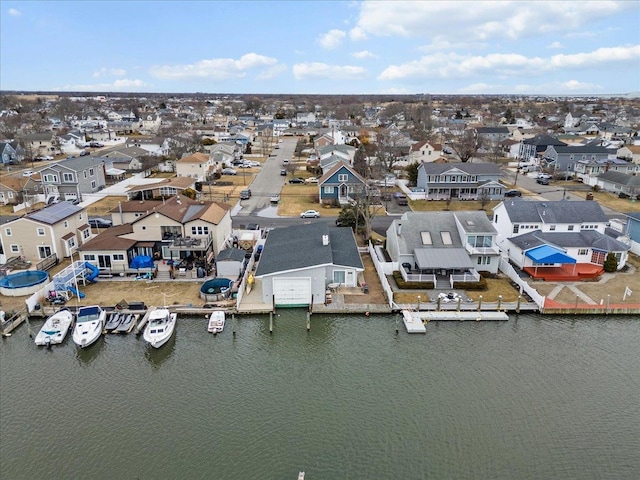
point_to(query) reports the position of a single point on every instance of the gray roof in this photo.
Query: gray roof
(543, 140)
(348, 149)
(80, 163)
(584, 239)
(442, 258)
(54, 213)
(620, 178)
(583, 149)
(475, 222)
(300, 246)
(235, 254)
(562, 211)
(490, 130)
(469, 168)
(414, 223)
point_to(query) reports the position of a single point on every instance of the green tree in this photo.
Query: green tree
(360, 163)
(610, 263)
(412, 173)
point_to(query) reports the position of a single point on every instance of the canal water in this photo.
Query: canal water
(531, 398)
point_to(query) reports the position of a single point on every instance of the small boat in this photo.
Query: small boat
(55, 328)
(89, 324)
(216, 322)
(114, 321)
(126, 323)
(160, 327)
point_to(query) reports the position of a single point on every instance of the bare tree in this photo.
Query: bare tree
(463, 141)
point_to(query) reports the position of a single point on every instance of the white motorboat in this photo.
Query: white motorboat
(160, 327)
(216, 322)
(89, 324)
(55, 328)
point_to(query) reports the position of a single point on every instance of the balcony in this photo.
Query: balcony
(492, 250)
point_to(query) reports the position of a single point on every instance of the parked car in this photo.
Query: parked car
(286, 161)
(96, 145)
(41, 158)
(544, 175)
(99, 222)
(245, 194)
(228, 171)
(311, 180)
(283, 173)
(310, 214)
(275, 198)
(542, 180)
(402, 200)
(84, 153)
(27, 173)
(296, 180)
(513, 193)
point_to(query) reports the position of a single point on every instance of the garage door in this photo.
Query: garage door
(292, 292)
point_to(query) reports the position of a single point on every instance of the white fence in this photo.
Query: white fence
(508, 270)
(381, 275)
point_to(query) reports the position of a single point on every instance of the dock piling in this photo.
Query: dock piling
(518, 305)
(233, 324)
(479, 302)
(271, 323)
(397, 328)
(308, 321)
(499, 302)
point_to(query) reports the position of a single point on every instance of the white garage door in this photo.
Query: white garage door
(292, 292)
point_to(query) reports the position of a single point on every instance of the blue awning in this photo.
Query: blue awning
(549, 254)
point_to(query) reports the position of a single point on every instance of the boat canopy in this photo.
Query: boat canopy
(549, 254)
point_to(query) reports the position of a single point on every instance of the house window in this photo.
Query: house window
(339, 276)
(86, 233)
(552, 227)
(484, 260)
(200, 230)
(426, 238)
(516, 228)
(328, 190)
(84, 173)
(89, 257)
(91, 172)
(570, 228)
(583, 251)
(598, 257)
(93, 184)
(66, 224)
(44, 251)
(7, 231)
(446, 238)
(495, 219)
(71, 242)
(343, 177)
(118, 257)
(67, 177)
(49, 178)
(15, 248)
(40, 231)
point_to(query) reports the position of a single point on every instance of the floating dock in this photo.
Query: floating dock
(413, 322)
(412, 319)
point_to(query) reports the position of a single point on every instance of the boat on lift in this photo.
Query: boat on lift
(89, 324)
(55, 328)
(160, 327)
(216, 322)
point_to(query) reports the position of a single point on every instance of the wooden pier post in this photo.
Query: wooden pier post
(575, 311)
(499, 302)
(439, 300)
(518, 305)
(397, 330)
(459, 301)
(233, 324)
(606, 312)
(308, 321)
(418, 302)
(270, 322)
(479, 302)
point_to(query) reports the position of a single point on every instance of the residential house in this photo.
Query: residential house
(533, 148)
(54, 230)
(156, 146)
(340, 185)
(305, 118)
(630, 153)
(37, 144)
(223, 154)
(443, 247)
(177, 229)
(299, 263)
(564, 158)
(492, 135)
(11, 153)
(150, 123)
(565, 240)
(424, 152)
(588, 171)
(620, 183)
(161, 188)
(71, 178)
(463, 181)
(198, 166)
(610, 131)
(331, 155)
(72, 141)
(633, 231)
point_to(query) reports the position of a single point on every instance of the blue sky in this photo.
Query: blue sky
(325, 47)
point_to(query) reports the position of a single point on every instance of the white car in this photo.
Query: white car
(311, 180)
(545, 176)
(310, 214)
(27, 173)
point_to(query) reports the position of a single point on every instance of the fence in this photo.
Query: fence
(509, 271)
(381, 275)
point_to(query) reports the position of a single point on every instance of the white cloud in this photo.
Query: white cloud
(271, 72)
(568, 87)
(114, 72)
(332, 39)
(119, 85)
(14, 12)
(316, 70)
(442, 44)
(215, 69)
(453, 65)
(555, 45)
(357, 34)
(480, 20)
(364, 54)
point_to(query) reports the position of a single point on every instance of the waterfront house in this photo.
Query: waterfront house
(443, 247)
(561, 240)
(463, 181)
(54, 230)
(340, 185)
(299, 263)
(177, 229)
(633, 231)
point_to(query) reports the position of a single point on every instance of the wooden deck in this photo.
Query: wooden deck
(566, 273)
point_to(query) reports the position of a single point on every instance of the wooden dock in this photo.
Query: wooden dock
(441, 316)
(412, 322)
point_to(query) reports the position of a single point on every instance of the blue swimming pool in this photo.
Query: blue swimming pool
(22, 283)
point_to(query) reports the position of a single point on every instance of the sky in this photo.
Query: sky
(323, 47)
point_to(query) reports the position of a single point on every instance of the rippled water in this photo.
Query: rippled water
(530, 398)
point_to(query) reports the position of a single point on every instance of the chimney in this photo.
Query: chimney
(399, 229)
(325, 240)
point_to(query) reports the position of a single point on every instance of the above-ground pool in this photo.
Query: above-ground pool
(22, 283)
(216, 289)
